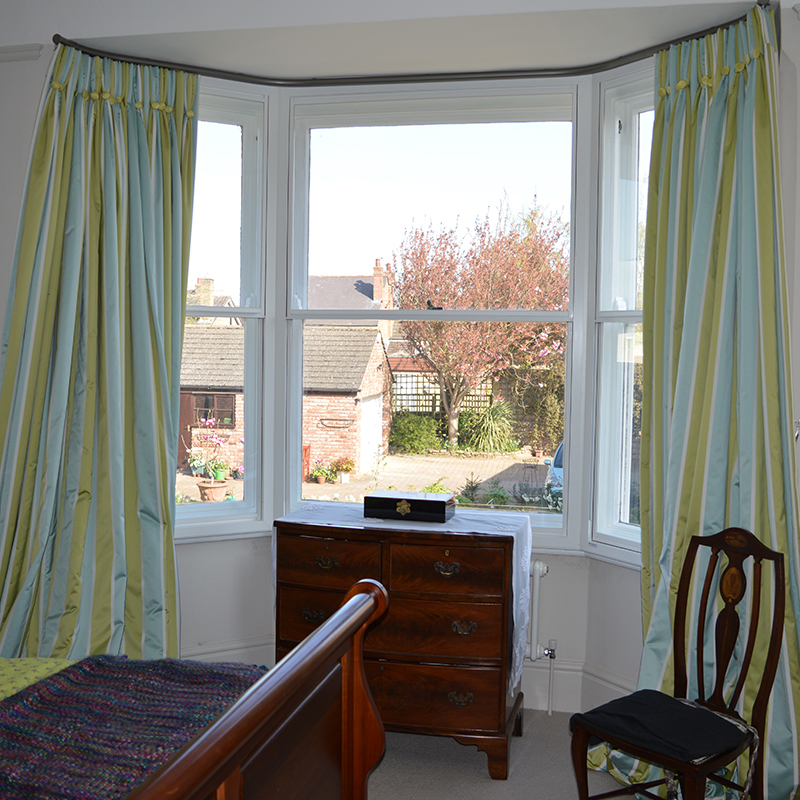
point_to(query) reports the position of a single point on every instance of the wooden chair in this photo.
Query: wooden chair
(695, 740)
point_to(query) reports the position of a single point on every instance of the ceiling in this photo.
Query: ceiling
(492, 42)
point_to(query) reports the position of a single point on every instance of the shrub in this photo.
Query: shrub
(495, 495)
(489, 430)
(471, 488)
(437, 487)
(413, 433)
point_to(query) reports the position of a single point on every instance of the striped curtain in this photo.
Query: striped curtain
(717, 433)
(90, 392)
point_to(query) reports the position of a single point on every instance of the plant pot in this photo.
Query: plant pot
(321, 479)
(212, 491)
(344, 477)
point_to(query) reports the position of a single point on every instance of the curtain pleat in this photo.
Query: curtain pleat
(717, 439)
(91, 351)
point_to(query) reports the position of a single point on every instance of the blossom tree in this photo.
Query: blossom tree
(509, 263)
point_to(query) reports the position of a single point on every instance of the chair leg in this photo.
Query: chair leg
(757, 789)
(580, 750)
(693, 786)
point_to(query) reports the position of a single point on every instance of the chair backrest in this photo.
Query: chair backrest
(737, 545)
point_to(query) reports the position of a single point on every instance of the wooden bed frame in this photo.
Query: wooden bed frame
(308, 729)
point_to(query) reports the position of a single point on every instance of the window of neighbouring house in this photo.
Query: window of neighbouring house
(221, 408)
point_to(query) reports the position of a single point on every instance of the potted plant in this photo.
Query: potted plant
(197, 463)
(342, 468)
(206, 453)
(320, 472)
(217, 469)
(212, 491)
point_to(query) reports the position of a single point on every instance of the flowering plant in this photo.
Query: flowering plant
(321, 470)
(197, 462)
(343, 465)
(210, 444)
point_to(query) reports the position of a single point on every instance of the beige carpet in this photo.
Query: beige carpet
(438, 768)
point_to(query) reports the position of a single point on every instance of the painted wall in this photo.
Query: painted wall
(21, 85)
(590, 607)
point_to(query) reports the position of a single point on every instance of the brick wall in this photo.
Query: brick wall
(331, 426)
(233, 449)
(332, 423)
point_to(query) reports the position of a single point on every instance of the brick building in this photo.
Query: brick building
(212, 381)
(347, 382)
(347, 389)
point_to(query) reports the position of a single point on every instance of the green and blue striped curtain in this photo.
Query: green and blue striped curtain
(717, 435)
(90, 391)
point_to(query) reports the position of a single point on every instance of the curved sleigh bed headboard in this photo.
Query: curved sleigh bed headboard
(308, 729)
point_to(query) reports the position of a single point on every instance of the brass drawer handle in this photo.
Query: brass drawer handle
(460, 698)
(327, 562)
(312, 615)
(464, 628)
(447, 570)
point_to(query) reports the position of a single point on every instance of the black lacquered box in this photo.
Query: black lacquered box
(418, 506)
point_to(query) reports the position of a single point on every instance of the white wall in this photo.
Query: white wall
(226, 600)
(21, 85)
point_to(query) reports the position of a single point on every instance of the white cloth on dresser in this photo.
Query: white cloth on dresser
(463, 521)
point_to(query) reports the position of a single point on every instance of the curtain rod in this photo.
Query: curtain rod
(430, 77)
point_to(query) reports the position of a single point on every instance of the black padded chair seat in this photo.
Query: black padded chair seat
(664, 725)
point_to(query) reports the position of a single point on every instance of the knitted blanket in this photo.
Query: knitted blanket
(98, 728)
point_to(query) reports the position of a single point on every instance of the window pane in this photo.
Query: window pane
(627, 137)
(216, 247)
(619, 429)
(471, 408)
(646, 120)
(482, 210)
(212, 417)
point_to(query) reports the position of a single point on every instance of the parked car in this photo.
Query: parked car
(554, 482)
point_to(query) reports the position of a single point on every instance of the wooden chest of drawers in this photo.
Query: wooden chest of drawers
(438, 662)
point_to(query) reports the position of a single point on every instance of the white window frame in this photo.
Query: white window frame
(228, 102)
(622, 96)
(278, 221)
(501, 101)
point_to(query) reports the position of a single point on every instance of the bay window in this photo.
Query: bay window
(440, 276)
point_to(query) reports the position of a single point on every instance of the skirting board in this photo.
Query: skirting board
(576, 686)
(247, 651)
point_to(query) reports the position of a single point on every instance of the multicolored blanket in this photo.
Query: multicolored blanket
(99, 727)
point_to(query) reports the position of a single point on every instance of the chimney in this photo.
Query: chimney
(382, 285)
(382, 291)
(203, 293)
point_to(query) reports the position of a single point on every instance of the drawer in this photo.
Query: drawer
(443, 629)
(437, 697)
(410, 627)
(447, 570)
(302, 611)
(330, 563)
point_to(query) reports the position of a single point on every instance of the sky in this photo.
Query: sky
(217, 211)
(369, 185)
